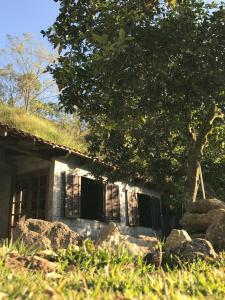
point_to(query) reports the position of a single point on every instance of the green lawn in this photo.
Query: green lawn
(104, 275)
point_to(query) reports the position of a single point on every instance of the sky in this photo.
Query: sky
(26, 16)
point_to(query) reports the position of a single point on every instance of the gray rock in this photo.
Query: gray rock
(110, 237)
(204, 206)
(154, 257)
(216, 233)
(107, 232)
(198, 223)
(45, 235)
(191, 250)
(175, 238)
(61, 236)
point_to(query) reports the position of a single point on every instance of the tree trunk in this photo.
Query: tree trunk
(197, 144)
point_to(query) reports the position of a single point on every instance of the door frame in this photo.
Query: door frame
(45, 171)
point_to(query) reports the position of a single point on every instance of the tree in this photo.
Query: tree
(149, 79)
(23, 80)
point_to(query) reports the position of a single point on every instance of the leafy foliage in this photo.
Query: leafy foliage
(23, 80)
(149, 80)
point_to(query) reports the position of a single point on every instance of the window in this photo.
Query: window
(149, 211)
(89, 199)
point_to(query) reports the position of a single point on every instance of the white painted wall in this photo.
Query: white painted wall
(89, 227)
(31, 164)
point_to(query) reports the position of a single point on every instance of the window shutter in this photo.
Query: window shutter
(133, 215)
(72, 190)
(112, 203)
(156, 213)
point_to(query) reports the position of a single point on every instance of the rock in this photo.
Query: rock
(107, 232)
(110, 237)
(31, 239)
(45, 235)
(48, 254)
(198, 223)
(189, 251)
(204, 206)
(175, 238)
(216, 233)
(37, 225)
(154, 257)
(61, 236)
(147, 242)
(18, 262)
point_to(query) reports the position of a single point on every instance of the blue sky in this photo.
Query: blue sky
(26, 16)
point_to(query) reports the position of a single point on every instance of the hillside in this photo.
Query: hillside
(46, 129)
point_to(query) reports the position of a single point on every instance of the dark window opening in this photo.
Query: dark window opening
(149, 211)
(91, 199)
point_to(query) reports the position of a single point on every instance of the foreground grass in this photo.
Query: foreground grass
(43, 128)
(100, 274)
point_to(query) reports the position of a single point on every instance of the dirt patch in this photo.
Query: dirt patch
(22, 263)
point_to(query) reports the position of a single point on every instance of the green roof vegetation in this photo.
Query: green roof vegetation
(53, 131)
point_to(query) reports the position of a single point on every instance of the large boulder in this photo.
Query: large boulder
(199, 222)
(31, 239)
(175, 238)
(110, 237)
(109, 231)
(204, 206)
(45, 235)
(189, 251)
(61, 236)
(216, 233)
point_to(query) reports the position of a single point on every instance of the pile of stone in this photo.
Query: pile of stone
(45, 235)
(145, 246)
(206, 218)
(180, 247)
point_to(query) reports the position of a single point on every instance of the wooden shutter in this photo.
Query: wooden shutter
(71, 195)
(112, 203)
(156, 213)
(133, 215)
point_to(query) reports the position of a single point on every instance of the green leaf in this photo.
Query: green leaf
(122, 35)
(101, 39)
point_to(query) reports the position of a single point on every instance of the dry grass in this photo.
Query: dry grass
(43, 128)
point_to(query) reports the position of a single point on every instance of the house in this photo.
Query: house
(43, 180)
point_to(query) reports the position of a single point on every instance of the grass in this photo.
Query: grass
(43, 128)
(103, 274)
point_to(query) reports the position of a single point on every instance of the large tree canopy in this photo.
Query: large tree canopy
(148, 78)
